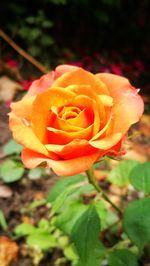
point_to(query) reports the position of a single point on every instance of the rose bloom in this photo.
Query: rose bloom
(70, 118)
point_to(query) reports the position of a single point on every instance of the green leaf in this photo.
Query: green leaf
(58, 203)
(35, 33)
(111, 218)
(11, 171)
(42, 241)
(47, 24)
(62, 184)
(70, 254)
(120, 174)
(24, 229)
(85, 189)
(34, 50)
(140, 177)
(85, 236)
(3, 223)
(11, 147)
(102, 211)
(35, 204)
(57, 2)
(136, 222)
(46, 41)
(35, 173)
(70, 214)
(122, 257)
(30, 20)
(44, 225)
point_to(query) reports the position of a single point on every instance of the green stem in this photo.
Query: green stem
(92, 180)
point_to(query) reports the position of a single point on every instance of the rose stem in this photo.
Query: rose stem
(92, 180)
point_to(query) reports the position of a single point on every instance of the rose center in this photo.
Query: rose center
(69, 112)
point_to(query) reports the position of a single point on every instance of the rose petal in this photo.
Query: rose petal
(127, 113)
(117, 148)
(104, 129)
(40, 115)
(97, 106)
(76, 148)
(45, 82)
(81, 121)
(62, 167)
(106, 100)
(61, 69)
(20, 124)
(81, 77)
(107, 142)
(57, 136)
(114, 84)
(126, 99)
(64, 125)
(40, 85)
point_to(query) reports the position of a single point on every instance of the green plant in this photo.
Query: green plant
(12, 169)
(35, 33)
(3, 223)
(88, 230)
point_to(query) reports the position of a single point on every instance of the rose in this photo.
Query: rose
(70, 118)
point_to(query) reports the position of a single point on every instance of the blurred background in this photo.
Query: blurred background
(105, 35)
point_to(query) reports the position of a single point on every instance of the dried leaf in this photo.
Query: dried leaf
(5, 191)
(8, 251)
(8, 88)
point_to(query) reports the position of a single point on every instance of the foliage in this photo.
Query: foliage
(120, 174)
(11, 147)
(88, 248)
(3, 222)
(136, 222)
(80, 223)
(11, 169)
(122, 257)
(139, 177)
(35, 34)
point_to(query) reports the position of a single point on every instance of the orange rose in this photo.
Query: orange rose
(70, 118)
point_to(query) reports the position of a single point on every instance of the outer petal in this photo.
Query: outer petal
(63, 167)
(118, 149)
(107, 142)
(114, 84)
(20, 125)
(47, 80)
(61, 69)
(128, 105)
(41, 84)
(81, 77)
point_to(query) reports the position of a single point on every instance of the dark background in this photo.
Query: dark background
(92, 33)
